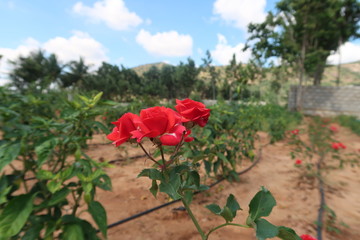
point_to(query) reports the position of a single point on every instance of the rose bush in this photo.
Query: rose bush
(179, 177)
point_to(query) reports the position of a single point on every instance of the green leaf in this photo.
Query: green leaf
(44, 150)
(15, 215)
(286, 233)
(8, 152)
(98, 213)
(53, 186)
(233, 205)
(227, 214)
(101, 126)
(214, 208)
(196, 178)
(44, 174)
(264, 229)
(73, 232)
(152, 173)
(222, 157)
(171, 187)
(154, 188)
(97, 97)
(58, 197)
(260, 206)
(33, 232)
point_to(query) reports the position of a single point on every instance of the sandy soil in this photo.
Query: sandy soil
(297, 197)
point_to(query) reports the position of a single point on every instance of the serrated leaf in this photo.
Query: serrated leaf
(152, 173)
(73, 232)
(171, 187)
(286, 233)
(15, 215)
(214, 208)
(98, 213)
(265, 230)
(8, 152)
(260, 206)
(154, 188)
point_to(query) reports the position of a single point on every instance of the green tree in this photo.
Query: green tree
(35, 72)
(75, 72)
(108, 80)
(186, 78)
(303, 33)
(209, 69)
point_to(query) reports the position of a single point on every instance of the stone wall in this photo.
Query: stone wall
(327, 101)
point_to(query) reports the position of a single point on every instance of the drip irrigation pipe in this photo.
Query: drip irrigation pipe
(174, 201)
(322, 200)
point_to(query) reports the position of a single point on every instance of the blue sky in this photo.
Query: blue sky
(133, 32)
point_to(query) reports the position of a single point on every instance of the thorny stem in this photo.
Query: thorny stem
(224, 225)
(148, 155)
(172, 158)
(196, 223)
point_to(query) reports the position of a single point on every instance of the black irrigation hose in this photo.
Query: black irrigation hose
(174, 201)
(322, 200)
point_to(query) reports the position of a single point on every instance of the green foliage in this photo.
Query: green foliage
(229, 137)
(351, 122)
(42, 136)
(306, 33)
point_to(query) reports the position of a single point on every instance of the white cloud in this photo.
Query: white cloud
(240, 12)
(350, 52)
(169, 44)
(113, 12)
(79, 45)
(66, 49)
(223, 52)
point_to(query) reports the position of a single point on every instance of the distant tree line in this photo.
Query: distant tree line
(39, 71)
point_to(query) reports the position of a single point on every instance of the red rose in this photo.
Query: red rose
(333, 128)
(338, 145)
(298, 162)
(295, 132)
(160, 122)
(307, 237)
(193, 111)
(123, 128)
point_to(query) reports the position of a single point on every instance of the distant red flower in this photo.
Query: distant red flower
(338, 145)
(298, 162)
(307, 237)
(333, 128)
(295, 132)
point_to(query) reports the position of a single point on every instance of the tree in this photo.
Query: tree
(75, 74)
(303, 33)
(209, 69)
(186, 77)
(35, 72)
(107, 79)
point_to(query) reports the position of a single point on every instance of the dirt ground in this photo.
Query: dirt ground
(297, 198)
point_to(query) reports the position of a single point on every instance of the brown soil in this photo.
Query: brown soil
(297, 196)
